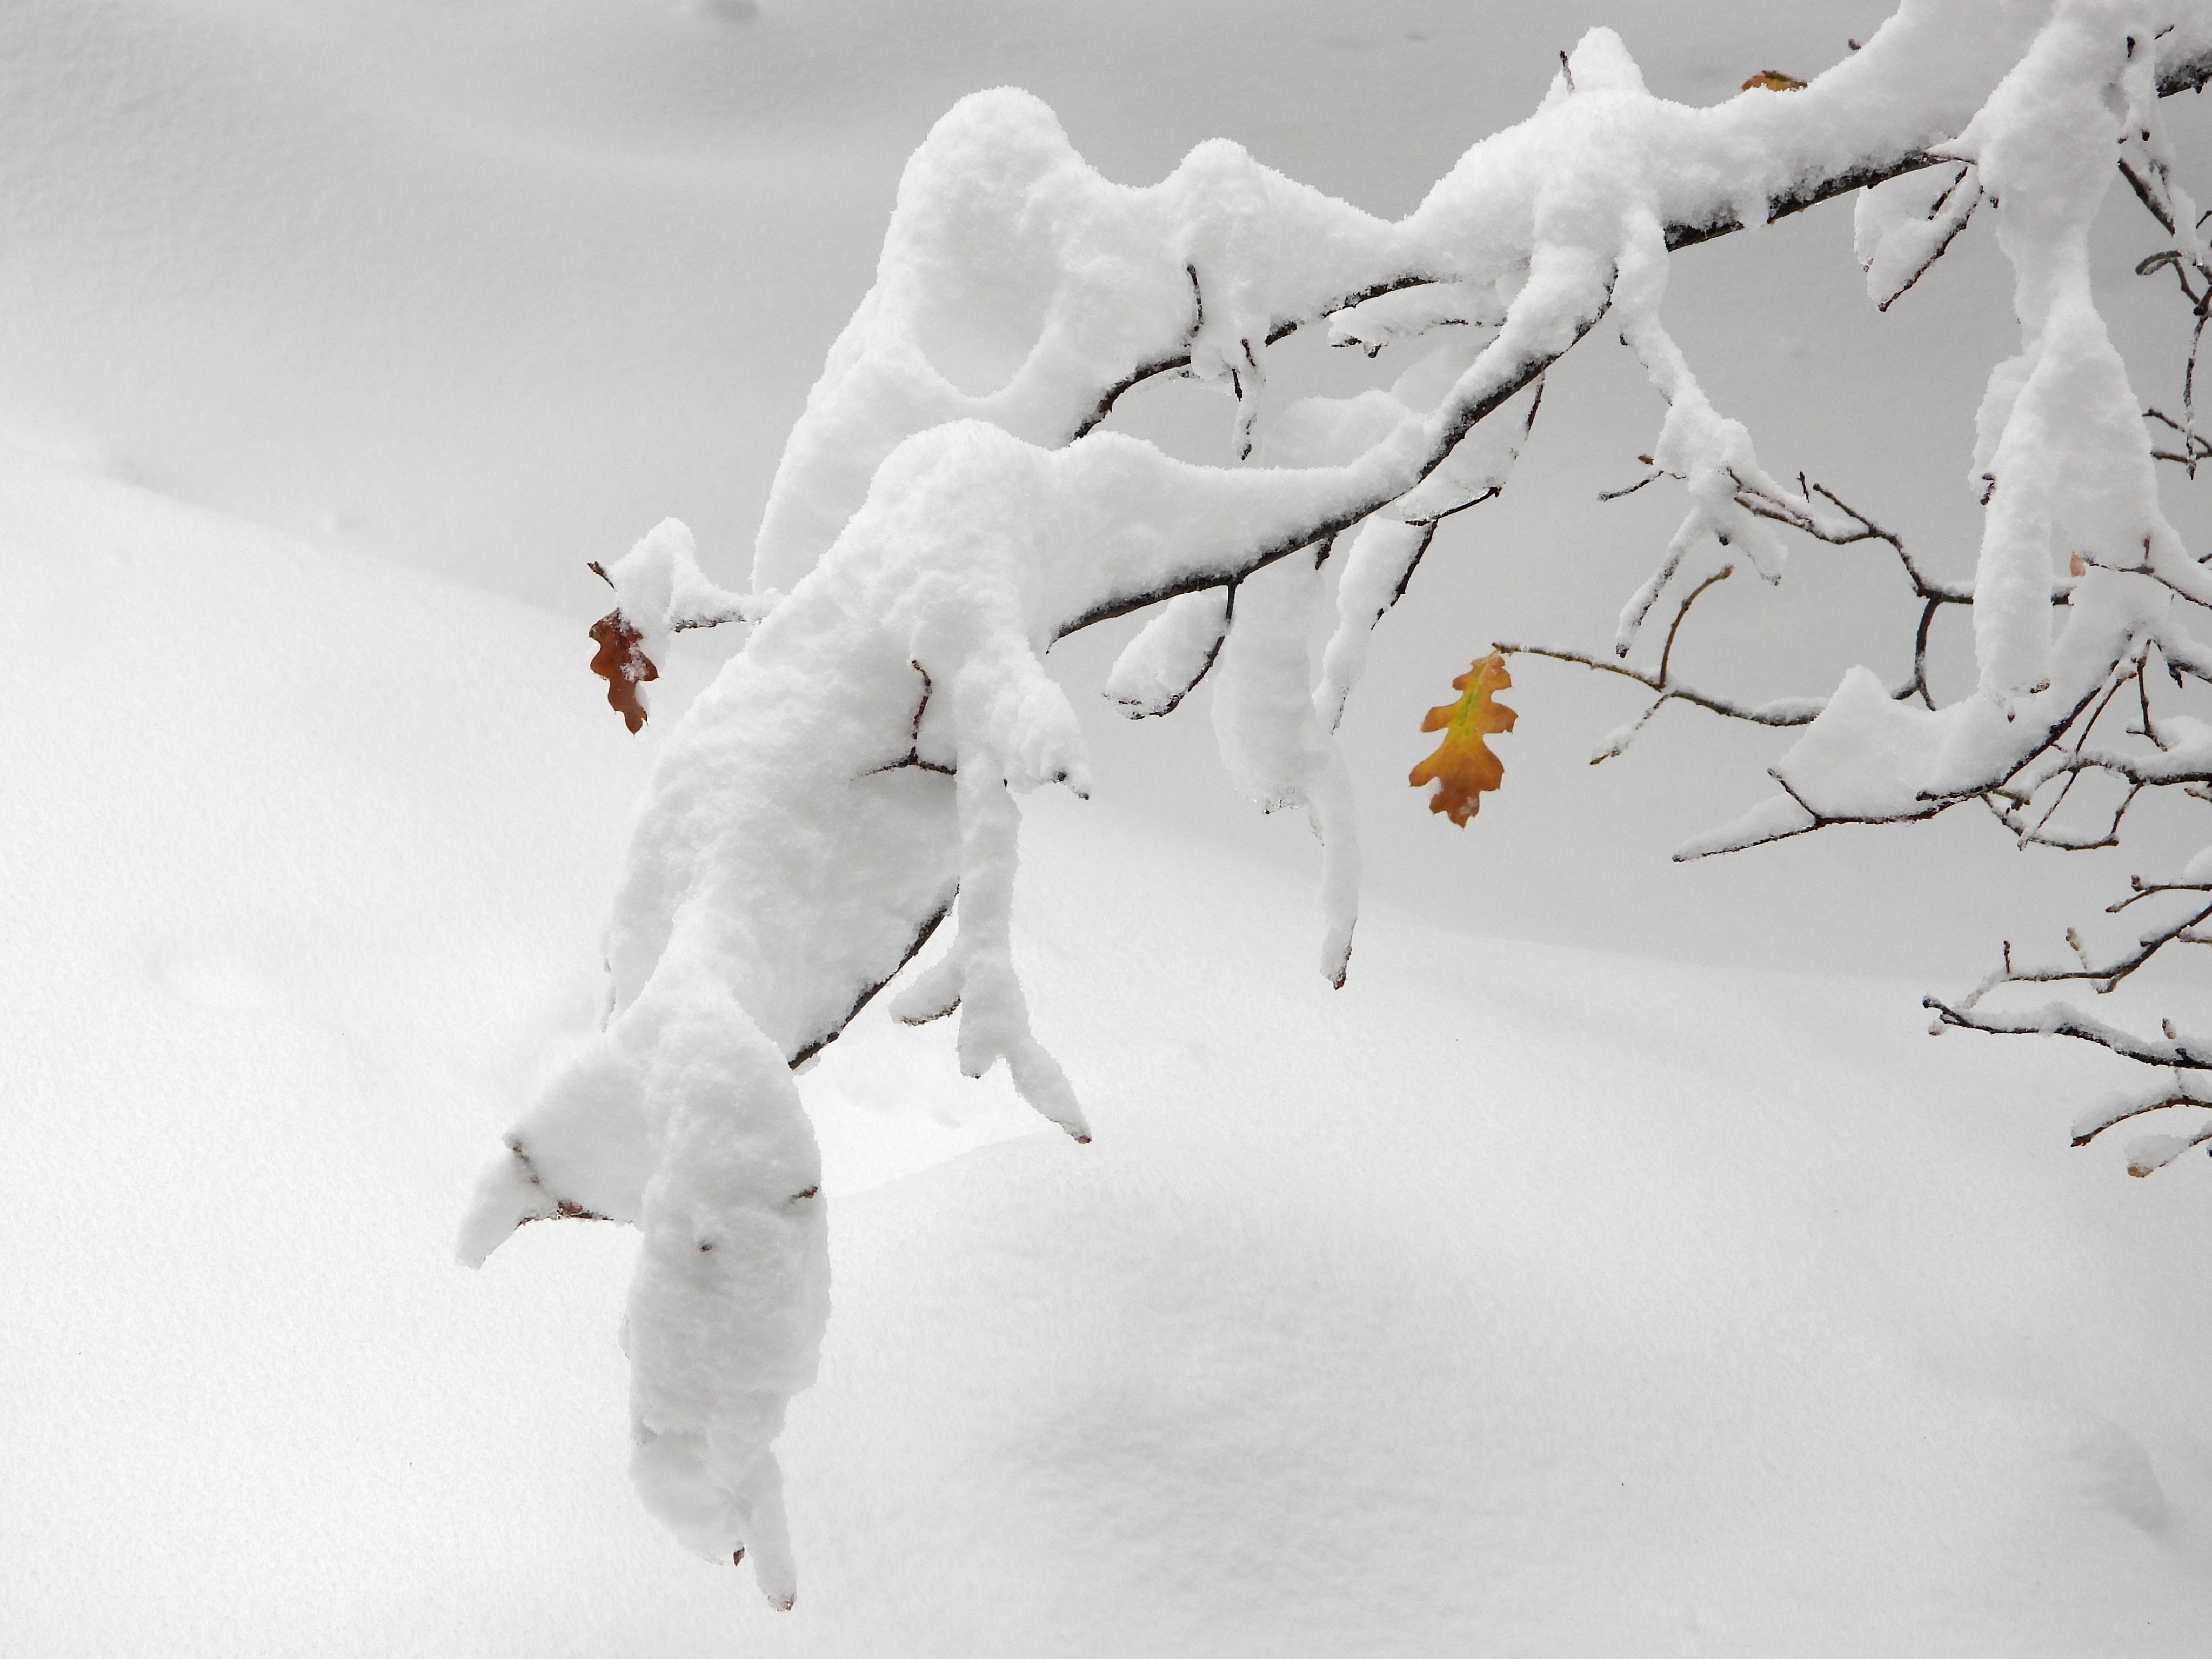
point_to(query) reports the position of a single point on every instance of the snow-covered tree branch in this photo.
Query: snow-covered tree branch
(951, 502)
(2086, 608)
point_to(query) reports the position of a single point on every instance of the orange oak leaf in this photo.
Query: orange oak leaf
(1463, 767)
(1773, 81)
(622, 666)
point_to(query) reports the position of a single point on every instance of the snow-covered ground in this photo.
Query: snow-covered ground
(1519, 1298)
(1514, 1299)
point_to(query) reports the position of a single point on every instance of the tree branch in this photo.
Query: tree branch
(2056, 1020)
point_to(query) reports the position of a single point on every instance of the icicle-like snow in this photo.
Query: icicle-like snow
(1262, 710)
(1380, 560)
(1272, 742)
(995, 1015)
(2063, 456)
(1376, 572)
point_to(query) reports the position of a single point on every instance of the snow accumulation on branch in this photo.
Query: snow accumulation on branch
(2064, 463)
(949, 505)
(2085, 603)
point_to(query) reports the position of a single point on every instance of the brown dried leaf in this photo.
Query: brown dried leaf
(1773, 81)
(1462, 766)
(622, 666)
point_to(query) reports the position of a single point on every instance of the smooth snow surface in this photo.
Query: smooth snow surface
(1514, 1299)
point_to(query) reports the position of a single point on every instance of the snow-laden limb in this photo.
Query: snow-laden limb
(1275, 728)
(1864, 760)
(2061, 458)
(685, 1121)
(1873, 756)
(2083, 595)
(2062, 445)
(973, 551)
(948, 506)
(1273, 743)
(816, 811)
(731, 1290)
(1019, 287)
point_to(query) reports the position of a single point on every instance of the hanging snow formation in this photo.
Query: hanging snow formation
(947, 507)
(2061, 461)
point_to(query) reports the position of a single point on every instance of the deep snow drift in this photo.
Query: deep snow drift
(1512, 1299)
